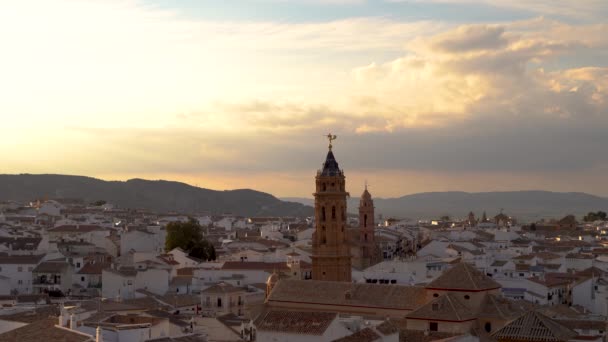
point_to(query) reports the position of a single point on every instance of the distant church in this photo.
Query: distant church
(335, 248)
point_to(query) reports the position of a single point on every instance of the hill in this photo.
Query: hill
(524, 205)
(159, 196)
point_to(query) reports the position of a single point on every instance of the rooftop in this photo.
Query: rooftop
(44, 330)
(351, 294)
(463, 277)
(295, 322)
(534, 326)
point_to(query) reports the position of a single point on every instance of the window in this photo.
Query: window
(435, 307)
(324, 187)
(20, 282)
(19, 269)
(323, 214)
(78, 264)
(433, 326)
(323, 239)
(333, 213)
(488, 327)
(219, 302)
(0, 269)
(467, 297)
(435, 295)
(129, 282)
(365, 224)
(81, 278)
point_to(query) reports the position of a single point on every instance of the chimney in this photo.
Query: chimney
(98, 335)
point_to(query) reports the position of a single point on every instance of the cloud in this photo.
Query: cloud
(586, 9)
(470, 38)
(157, 94)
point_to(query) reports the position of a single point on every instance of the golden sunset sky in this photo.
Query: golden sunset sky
(434, 95)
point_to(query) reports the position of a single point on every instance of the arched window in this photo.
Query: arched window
(365, 221)
(323, 214)
(333, 212)
(323, 239)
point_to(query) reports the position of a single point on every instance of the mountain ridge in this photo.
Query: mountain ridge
(527, 205)
(156, 195)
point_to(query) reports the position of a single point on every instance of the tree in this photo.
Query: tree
(204, 250)
(591, 216)
(189, 237)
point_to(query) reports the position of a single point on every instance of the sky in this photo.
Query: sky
(424, 95)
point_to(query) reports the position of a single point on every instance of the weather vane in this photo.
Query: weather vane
(331, 138)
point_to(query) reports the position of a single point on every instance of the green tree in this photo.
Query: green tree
(598, 216)
(204, 250)
(189, 237)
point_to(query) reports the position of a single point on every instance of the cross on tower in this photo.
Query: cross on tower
(331, 138)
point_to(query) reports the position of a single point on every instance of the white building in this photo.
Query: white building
(18, 273)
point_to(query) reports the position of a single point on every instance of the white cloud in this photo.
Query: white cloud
(584, 9)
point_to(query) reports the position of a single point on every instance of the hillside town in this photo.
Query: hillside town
(77, 271)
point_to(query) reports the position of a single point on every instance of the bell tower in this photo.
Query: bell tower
(331, 258)
(366, 224)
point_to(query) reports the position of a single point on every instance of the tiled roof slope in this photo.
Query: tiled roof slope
(497, 307)
(444, 308)
(534, 326)
(342, 293)
(365, 335)
(463, 277)
(295, 322)
(44, 330)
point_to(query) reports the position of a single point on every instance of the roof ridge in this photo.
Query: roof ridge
(449, 299)
(470, 276)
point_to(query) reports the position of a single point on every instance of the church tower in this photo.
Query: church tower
(366, 225)
(331, 258)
